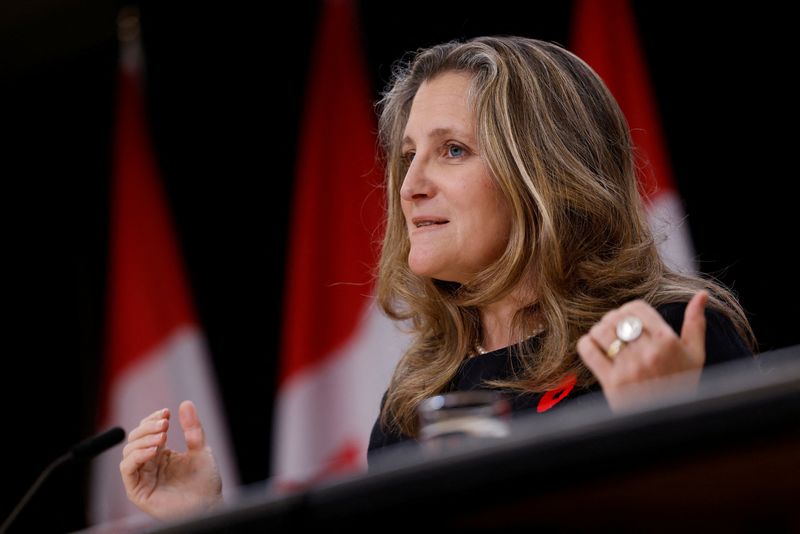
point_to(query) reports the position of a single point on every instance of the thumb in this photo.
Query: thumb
(693, 332)
(192, 429)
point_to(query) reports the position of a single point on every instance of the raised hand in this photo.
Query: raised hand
(165, 483)
(627, 369)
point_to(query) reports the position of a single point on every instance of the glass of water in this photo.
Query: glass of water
(445, 420)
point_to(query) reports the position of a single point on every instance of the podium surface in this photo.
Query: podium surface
(727, 459)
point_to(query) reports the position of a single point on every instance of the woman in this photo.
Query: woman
(515, 226)
(517, 248)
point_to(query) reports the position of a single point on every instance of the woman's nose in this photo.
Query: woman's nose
(416, 184)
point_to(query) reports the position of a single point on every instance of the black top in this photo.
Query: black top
(723, 343)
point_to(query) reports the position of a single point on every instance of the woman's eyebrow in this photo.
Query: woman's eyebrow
(437, 132)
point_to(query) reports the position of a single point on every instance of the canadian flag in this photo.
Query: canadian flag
(338, 350)
(604, 35)
(155, 352)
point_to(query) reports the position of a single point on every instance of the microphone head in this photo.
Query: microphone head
(91, 447)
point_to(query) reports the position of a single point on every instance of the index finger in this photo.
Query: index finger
(594, 356)
(147, 425)
(158, 414)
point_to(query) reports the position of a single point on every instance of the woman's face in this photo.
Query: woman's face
(457, 223)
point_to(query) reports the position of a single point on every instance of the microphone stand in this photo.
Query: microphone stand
(46, 473)
(86, 449)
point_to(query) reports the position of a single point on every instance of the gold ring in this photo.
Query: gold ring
(614, 348)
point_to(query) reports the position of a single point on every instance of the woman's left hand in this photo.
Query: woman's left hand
(627, 374)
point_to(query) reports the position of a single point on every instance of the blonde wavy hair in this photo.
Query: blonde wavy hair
(558, 147)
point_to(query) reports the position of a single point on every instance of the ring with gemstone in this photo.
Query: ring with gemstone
(629, 329)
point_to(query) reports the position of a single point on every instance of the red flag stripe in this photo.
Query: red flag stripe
(148, 297)
(338, 349)
(336, 208)
(604, 35)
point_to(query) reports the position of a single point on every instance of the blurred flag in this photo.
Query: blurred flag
(604, 35)
(155, 353)
(338, 349)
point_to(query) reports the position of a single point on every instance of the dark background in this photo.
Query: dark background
(226, 84)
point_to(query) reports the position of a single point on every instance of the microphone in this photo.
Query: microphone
(85, 450)
(91, 447)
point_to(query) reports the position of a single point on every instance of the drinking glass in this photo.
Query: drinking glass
(446, 419)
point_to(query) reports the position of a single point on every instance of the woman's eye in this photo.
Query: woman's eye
(455, 151)
(408, 157)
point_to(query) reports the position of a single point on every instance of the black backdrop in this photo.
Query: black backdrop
(226, 86)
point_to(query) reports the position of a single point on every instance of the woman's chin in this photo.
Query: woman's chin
(436, 272)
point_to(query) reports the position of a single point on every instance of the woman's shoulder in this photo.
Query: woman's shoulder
(382, 437)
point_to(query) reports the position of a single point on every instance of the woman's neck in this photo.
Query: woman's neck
(497, 318)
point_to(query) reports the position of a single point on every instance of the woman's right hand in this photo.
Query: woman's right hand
(165, 483)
